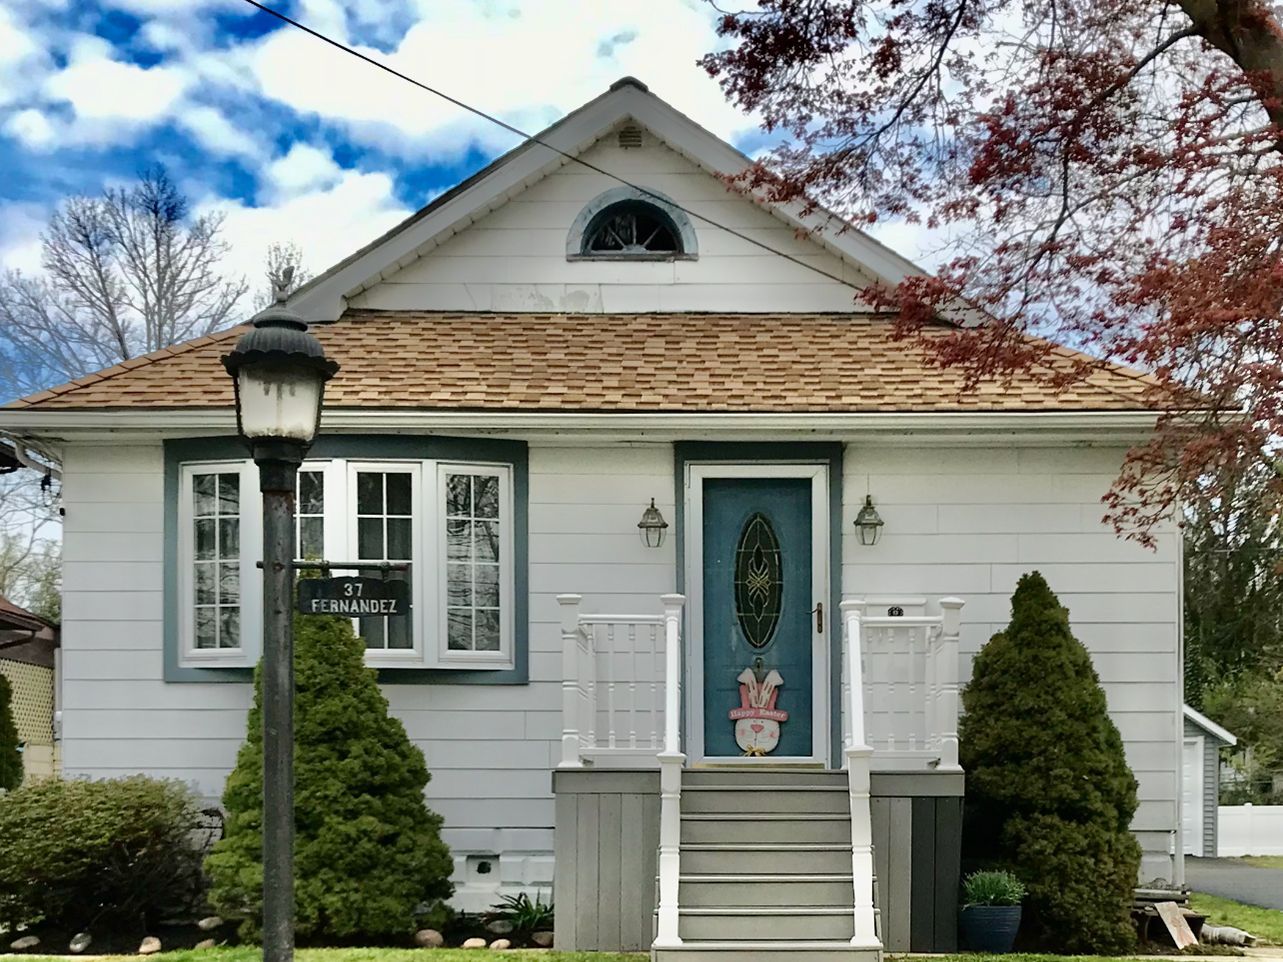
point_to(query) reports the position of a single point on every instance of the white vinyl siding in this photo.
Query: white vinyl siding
(960, 520)
(969, 521)
(514, 258)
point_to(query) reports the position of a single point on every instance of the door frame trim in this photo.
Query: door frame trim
(818, 472)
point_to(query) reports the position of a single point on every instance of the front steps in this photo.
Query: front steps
(765, 868)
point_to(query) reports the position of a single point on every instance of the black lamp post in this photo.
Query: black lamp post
(279, 372)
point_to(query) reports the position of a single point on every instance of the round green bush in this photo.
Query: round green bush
(367, 850)
(82, 855)
(1049, 793)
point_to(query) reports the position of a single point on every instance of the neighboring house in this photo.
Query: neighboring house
(29, 660)
(527, 364)
(1201, 781)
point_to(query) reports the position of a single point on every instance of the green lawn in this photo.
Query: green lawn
(253, 954)
(1265, 924)
(1264, 861)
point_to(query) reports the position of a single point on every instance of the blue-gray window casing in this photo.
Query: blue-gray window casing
(417, 447)
(685, 230)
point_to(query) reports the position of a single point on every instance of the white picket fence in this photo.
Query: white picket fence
(1249, 830)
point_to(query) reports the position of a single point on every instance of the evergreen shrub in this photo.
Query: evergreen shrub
(10, 756)
(81, 855)
(367, 852)
(1049, 793)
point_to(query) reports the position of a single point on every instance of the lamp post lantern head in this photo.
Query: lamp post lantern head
(279, 370)
(652, 526)
(868, 522)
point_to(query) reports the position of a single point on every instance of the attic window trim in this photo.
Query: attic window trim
(684, 232)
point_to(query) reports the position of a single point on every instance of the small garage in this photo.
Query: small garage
(1200, 781)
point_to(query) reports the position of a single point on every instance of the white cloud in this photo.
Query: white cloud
(32, 128)
(303, 168)
(22, 56)
(527, 63)
(327, 224)
(215, 132)
(102, 89)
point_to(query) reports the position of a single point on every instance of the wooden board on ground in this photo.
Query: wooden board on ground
(1174, 919)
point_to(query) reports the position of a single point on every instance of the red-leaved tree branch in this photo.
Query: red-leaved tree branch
(1107, 174)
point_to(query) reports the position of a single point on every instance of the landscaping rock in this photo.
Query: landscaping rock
(205, 944)
(542, 939)
(209, 923)
(429, 939)
(79, 942)
(499, 945)
(149, 946)
(475, 944)
(25, 944)
(500, 927)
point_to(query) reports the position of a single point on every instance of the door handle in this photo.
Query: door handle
(818, 611)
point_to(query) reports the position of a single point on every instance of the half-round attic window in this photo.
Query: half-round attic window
(631, 227)
(626, 223)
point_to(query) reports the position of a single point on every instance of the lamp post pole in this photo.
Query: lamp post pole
(278, 463)
(278, 371)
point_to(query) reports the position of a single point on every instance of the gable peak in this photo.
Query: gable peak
(623, 82)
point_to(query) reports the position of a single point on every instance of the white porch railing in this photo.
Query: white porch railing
(621, 697)
(905, 692)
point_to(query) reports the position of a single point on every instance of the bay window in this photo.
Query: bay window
(451, 522)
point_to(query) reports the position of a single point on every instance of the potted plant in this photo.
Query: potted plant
(991, 911)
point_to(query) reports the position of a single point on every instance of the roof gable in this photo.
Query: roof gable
(327, 296)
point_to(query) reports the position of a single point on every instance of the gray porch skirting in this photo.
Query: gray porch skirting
(607, 839)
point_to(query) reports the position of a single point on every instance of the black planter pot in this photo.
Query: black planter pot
(989, 928)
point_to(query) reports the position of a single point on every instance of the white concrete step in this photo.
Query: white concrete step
(809, 951)
(784, 858)
(755, 828)
(765, 923)
(712, 891)
(801, 799)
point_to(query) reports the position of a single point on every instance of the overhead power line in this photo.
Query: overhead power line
(490, 118)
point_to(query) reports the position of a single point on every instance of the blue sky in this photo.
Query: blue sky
(293, 141)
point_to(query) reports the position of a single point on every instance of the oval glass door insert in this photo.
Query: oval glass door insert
(759, 581)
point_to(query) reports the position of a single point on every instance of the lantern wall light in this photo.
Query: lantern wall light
(868, 522)
(652, 526)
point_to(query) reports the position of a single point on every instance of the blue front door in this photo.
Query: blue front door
(759, 626)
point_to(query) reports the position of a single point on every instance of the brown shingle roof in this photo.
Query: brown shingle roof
(614, 362)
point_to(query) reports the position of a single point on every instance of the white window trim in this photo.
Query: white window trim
(504, 657)
(412, 657)
(251, 580)
(427, 571)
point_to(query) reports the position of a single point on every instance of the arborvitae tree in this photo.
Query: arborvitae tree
(10, 756)
(1049, 793)
(367, 849)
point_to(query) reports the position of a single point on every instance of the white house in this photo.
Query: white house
(526, 365)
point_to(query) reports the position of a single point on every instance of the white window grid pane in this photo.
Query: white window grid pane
(222, 614)
(383, 518)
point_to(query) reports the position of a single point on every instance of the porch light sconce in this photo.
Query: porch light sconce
(868, 522)
(652, 526)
